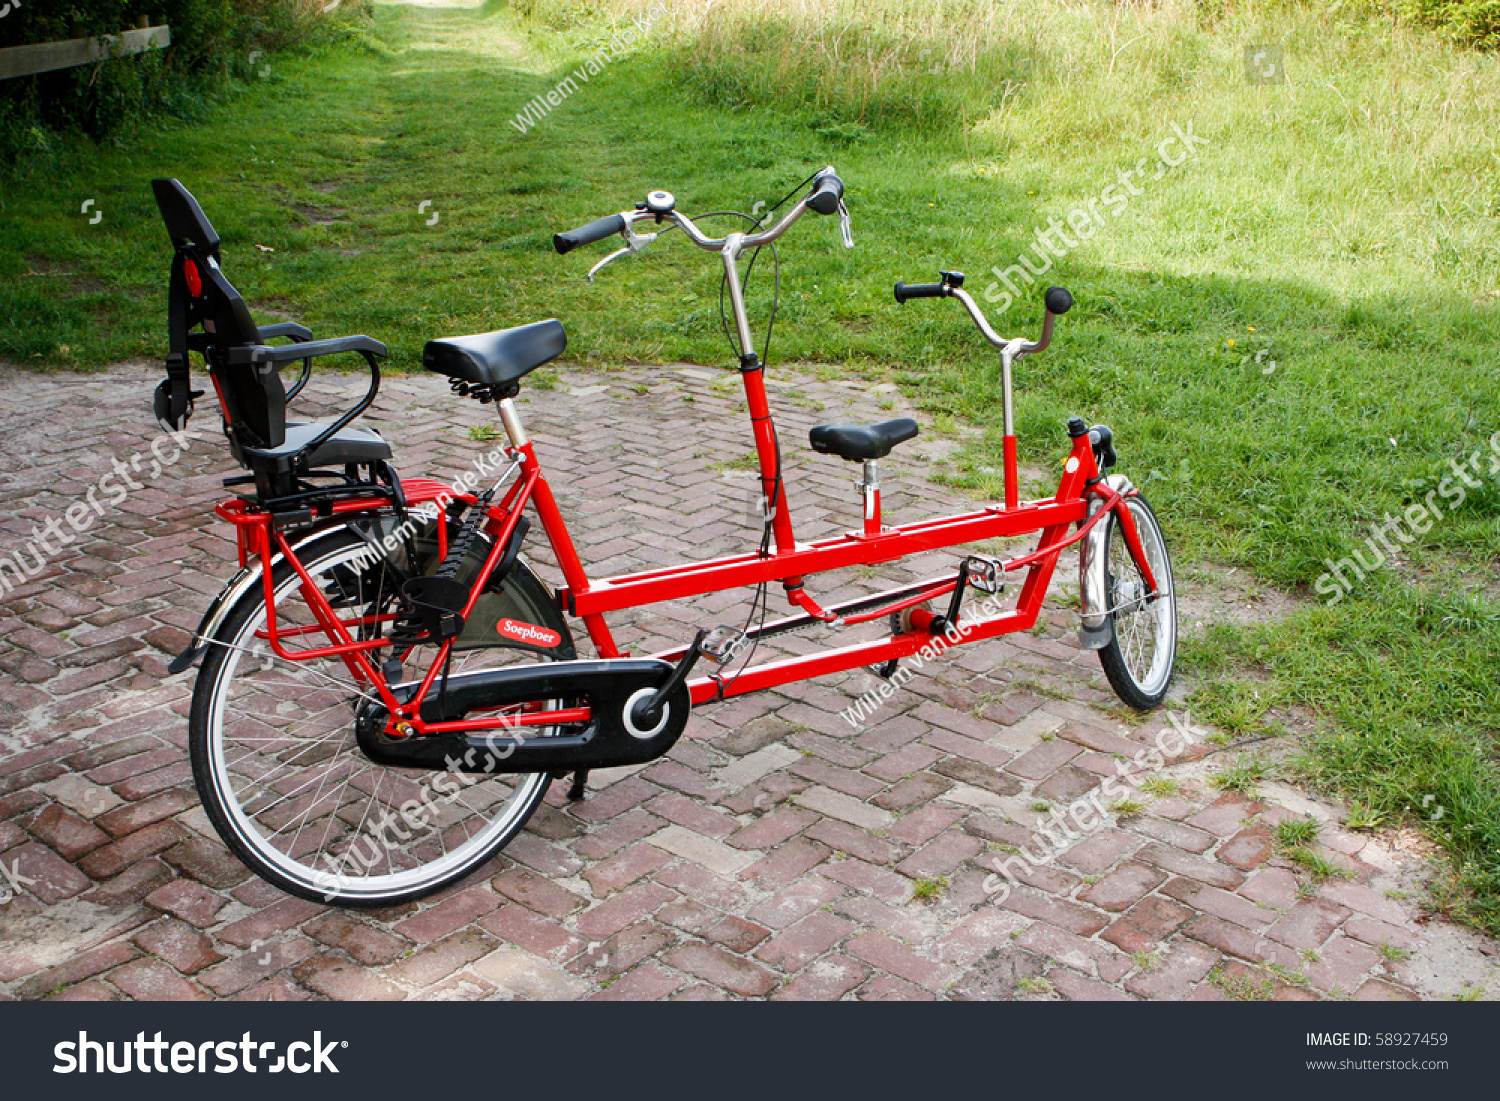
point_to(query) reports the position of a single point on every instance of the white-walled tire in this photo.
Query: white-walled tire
(1141, 652)
(287, 787)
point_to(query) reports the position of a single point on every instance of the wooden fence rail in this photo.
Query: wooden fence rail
(43, 57)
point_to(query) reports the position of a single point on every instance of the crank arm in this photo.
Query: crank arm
(647, 711)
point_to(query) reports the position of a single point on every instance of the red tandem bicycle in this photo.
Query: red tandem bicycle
(388, 688)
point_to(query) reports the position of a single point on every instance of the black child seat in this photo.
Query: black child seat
(497, 360)
(246, 371)
(861, 443)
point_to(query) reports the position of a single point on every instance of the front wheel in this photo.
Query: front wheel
(1142, 648)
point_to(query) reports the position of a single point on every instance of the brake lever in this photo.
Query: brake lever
(844, 225)
(634, 242)
(619, 252)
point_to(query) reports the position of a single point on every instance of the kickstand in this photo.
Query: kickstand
(580, 781)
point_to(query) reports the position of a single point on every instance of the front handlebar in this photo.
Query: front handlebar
(1057, 300)
(826, 197)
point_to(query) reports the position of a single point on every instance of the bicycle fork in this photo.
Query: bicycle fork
(1094, 630)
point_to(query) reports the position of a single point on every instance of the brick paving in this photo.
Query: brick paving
(777, 852)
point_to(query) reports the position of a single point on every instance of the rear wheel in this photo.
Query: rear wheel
(1139, 657)
(283, 779)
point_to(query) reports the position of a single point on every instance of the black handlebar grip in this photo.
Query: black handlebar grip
(825, 196)
(1059, 301)
(920, 290)
(585, 235)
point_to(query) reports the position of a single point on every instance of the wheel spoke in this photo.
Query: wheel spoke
(333, 815)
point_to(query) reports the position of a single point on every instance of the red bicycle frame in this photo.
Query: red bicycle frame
(788, 562)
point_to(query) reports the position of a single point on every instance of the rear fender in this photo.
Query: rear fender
(521, 615)
(237, 586)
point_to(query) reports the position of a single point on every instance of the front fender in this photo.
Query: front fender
(1096, 628)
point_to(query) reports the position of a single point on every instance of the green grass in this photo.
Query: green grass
(1146, 961)
(1159, 787)
(1241, 775)
(1287, 975)
(1243, 988)
(1362, 816)
(748, 461)
(1411, 706)
(929, 890)
(1295, 832)
(1316, 864)
(1341, 226)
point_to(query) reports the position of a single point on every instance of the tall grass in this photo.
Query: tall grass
(847, 62)
(1374, 108)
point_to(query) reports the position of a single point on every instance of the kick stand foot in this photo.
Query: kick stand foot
(576, 788)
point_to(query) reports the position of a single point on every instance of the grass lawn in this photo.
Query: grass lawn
(1293, 330)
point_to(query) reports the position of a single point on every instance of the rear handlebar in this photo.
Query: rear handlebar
(1057, 300)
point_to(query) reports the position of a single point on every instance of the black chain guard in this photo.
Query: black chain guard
(608, 688)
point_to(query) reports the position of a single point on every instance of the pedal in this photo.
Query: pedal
(721, 644)
(985, 574)
(979, 572)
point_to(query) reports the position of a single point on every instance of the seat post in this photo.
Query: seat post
(869, 486)
(510, 417)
